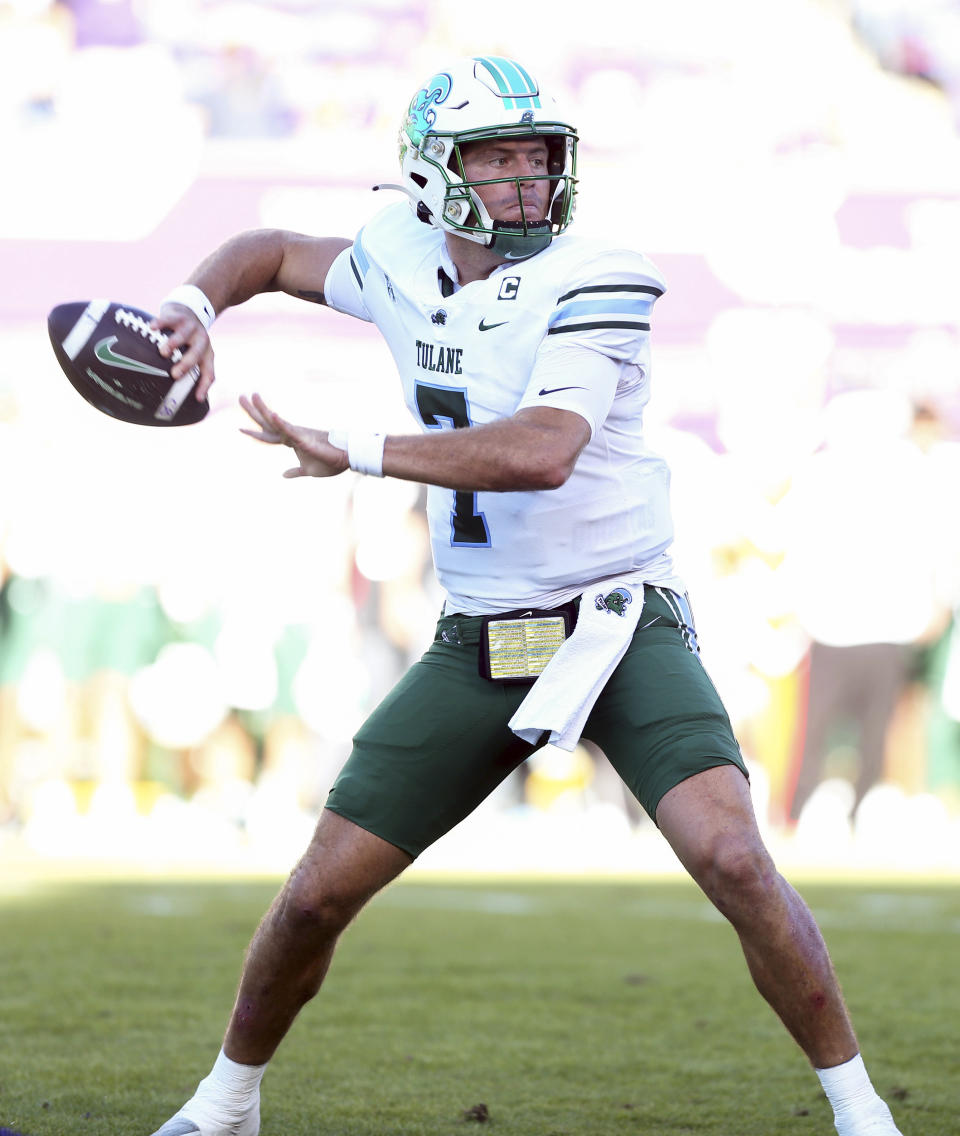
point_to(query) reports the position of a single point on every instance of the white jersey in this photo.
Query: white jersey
(516, 340)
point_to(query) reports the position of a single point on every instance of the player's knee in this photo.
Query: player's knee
(313, 909)
(737, 874)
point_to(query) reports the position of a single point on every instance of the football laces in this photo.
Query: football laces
(141, 327)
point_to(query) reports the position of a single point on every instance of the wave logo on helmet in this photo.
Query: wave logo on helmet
(421, 115)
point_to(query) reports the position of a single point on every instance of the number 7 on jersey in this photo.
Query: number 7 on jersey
(438, 406)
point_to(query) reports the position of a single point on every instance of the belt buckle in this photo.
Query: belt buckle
(517, 647)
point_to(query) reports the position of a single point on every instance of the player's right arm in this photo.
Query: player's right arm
(261, 260)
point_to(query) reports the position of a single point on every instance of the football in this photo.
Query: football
(111, 355)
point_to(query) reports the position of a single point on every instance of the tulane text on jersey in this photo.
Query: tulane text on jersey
(434, 357)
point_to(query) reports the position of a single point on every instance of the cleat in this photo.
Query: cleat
(181, 1125)
(881, 1123)
(178, 1126)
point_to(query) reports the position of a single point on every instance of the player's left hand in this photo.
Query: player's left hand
(316, 456)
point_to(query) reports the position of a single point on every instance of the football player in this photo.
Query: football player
(523, 352)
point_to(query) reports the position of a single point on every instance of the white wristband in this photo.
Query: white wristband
(365, 452)
(193, 298)
(364, 449)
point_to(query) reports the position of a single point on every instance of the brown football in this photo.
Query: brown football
(111, 355)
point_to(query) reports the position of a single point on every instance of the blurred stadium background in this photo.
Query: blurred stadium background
(187, 642)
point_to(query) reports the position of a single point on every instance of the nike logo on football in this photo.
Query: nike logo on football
(553, 390)
(484, 326)
(105, 353)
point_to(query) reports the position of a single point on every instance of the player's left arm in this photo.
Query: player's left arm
(536, 448)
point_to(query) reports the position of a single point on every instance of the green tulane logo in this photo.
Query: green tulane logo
(615, 601)
(421, 114)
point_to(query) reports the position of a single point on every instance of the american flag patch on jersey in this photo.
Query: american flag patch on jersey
(604, 305)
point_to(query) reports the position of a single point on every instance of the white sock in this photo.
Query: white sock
(856, 1106)
(230, 1090)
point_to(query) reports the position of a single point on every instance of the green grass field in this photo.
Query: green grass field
(566, 1008)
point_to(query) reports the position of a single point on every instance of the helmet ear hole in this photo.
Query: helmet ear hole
(419, 179)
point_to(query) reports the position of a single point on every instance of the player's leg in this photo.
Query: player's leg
(663, 727)
(288, 957)
(429, 754)
(709, 821)
(665, 730)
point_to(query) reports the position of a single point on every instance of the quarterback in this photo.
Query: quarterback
(523, 351)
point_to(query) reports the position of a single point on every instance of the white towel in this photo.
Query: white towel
(563, 696)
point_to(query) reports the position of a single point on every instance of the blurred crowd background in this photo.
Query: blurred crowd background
(187, 642)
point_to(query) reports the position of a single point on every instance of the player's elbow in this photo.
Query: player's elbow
(543, 470)
(546, 446)
(556, 473)
(536, 449)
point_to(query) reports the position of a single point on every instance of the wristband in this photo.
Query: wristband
(192, 297)
(365, 452)
(364, 449)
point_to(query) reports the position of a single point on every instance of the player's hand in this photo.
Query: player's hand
(185, 331)
(316, 456)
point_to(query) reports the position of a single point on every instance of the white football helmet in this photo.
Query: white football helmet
(479, 99)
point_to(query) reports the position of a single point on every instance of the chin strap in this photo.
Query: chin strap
(514, 240)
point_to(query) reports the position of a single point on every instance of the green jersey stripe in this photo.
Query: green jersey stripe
(594, 325)
(358, 259)
(647, 288)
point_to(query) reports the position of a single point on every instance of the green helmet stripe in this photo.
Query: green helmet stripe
(530, 84)
(520, 82)
(497, 75)
(516, 85)
(517, 89)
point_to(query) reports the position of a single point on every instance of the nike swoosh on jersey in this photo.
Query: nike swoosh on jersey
(105, 353)
(553, 390)
(484, 326)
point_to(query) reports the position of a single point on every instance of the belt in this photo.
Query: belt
(465, 630)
